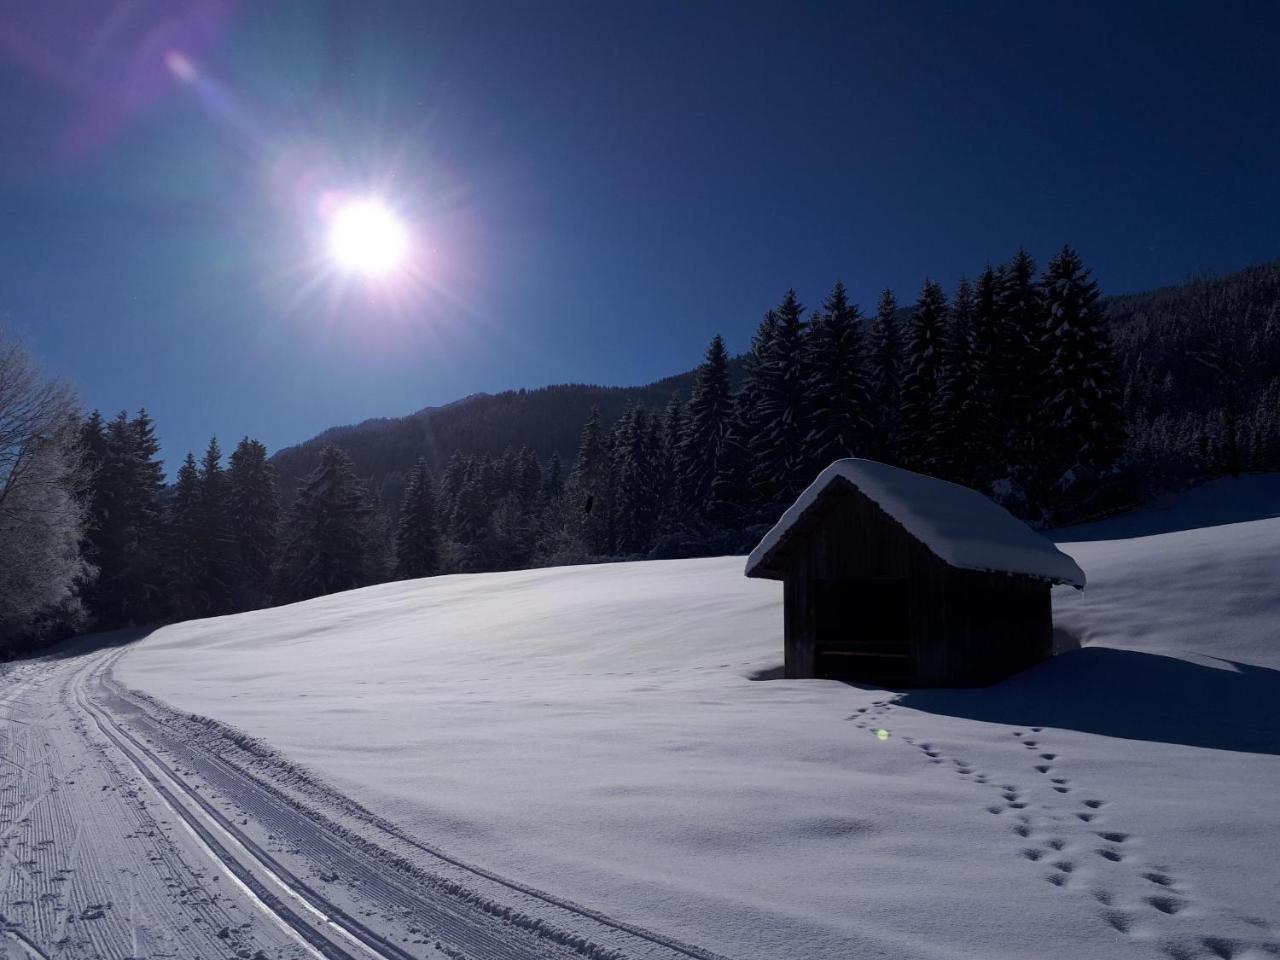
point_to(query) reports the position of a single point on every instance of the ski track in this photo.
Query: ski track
(1082, 844)
(128, 831)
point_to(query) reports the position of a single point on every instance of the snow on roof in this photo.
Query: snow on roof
(961, 526)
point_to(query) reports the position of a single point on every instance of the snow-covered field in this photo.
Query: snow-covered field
(596, 732)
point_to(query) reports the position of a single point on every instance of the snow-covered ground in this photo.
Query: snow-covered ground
(596, 732)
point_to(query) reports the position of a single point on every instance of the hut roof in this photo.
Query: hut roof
(961, 526)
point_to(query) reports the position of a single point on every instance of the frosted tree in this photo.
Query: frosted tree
(41, 516)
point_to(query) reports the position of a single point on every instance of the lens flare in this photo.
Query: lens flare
(366, 237)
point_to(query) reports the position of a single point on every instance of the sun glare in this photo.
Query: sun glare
(368, 238)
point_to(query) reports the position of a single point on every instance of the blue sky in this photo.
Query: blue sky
(595, 188)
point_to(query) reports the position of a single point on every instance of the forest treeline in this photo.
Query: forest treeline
(1016, 383)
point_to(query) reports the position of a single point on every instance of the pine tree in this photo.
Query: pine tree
(635, 506)
(184, 556)
(217, 539)
(328, 532)
(990, 429)
(94, 498)
(587, 490)
(1081, 421)
(707, 418)
(528, 480)
(778, 389)
(553, 479)
(1019, 369)
(836, 389)
(922, 383)
(126, 531)
(956, 426)
(474, 504)
(255, 519)
(732, 504)
(455, 472)
(148, 483)
(417, 534)
(885, 376)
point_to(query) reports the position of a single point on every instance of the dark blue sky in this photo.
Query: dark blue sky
(599, 187)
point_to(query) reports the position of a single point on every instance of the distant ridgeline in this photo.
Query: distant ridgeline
(1023, 384)
(1198, 365)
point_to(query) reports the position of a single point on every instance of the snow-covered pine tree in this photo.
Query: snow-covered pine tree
(417, 533)
(1081, 421)
(836, 389)
(707, 418)
(922, 381)
(778, 377)
(328, 545)
(885, 378)
(255, 520)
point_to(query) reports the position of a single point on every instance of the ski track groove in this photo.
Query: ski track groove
(329, 850)
(113, 809)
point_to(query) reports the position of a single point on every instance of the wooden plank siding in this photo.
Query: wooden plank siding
(966, 627)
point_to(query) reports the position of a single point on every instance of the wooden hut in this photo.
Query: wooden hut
(900, 579)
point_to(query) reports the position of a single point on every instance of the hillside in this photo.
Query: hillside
(1171, 345)
(548, 419)
(596, 731)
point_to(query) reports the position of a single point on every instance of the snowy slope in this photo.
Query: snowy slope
(593, 731)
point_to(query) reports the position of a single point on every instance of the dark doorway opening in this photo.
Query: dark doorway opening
(863, 630)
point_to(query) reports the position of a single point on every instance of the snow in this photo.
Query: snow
(959, 525)
(594, 731)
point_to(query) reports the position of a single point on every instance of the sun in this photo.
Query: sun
(366, 237)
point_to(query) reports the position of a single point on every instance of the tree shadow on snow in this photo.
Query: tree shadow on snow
(1204, 702)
